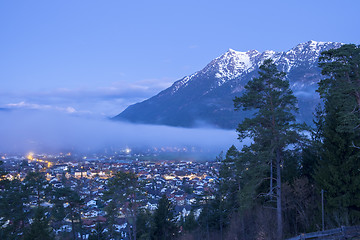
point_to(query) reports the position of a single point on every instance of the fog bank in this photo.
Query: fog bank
(31, 130)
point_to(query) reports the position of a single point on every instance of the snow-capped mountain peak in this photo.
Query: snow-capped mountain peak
(231, 64)
(235, 64)
(304, 53)
(232, 51)
(207, 95)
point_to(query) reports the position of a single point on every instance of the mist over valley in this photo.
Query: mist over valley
(38, 130)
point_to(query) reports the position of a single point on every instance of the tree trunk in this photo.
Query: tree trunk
(278, 200)
(243, 226)
(134, 228)
(207, 223)
(72, 223)
(128, 226)
(271, 179)
(134, 208)
(38, 198)
(80, 224)
(221, 219)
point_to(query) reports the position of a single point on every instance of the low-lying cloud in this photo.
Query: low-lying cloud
(36, 130)
(25, 105)
(97, 101)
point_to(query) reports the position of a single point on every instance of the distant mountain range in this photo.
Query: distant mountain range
(206, 97)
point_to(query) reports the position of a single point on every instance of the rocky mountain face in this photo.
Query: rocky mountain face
(205, 98)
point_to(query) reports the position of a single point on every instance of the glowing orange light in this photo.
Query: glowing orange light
(30, 156)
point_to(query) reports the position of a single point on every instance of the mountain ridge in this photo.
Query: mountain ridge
(206, 95)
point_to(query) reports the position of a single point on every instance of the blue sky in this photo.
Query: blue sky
(96, 57)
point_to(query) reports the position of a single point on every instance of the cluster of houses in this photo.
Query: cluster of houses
(183, 182)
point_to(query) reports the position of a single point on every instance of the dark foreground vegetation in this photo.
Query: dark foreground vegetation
(273, 188)
(292, 178)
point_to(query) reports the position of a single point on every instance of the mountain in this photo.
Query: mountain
(206, 97)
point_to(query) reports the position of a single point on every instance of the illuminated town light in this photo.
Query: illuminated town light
(30, 156)
(127, 150)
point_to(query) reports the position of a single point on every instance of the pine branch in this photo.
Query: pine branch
(354, 146)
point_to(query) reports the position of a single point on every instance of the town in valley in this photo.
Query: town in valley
(185, 183)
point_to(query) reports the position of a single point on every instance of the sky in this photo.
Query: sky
(91, 59)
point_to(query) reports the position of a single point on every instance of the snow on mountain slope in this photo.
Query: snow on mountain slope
(207, 95)
(233, 64)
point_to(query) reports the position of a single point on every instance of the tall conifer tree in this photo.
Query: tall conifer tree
(273, 126)
(164, 227)
(338, 168)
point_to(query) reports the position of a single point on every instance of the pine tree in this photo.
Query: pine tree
(238, 183)
(164, 221)
(12, 212)
(229, 176)
(111, 216)
(74, 209)
(273, 125)
(98, 234)
(144, 221)
(337, 171)
(124, 188)
(310, 154)
(342, 68)
(39, 228)
(225, 201)
(190, 223)
(36, 185)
